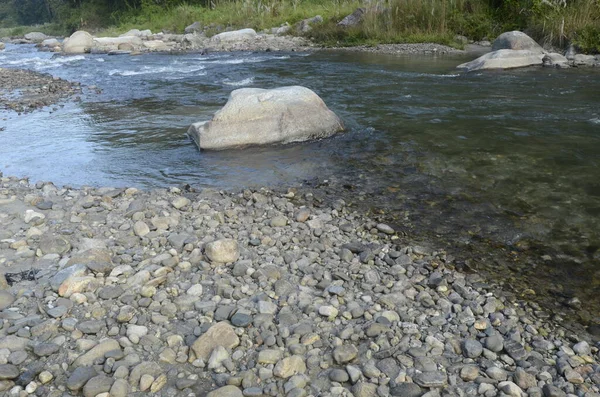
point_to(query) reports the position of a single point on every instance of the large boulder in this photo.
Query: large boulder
(2, 46)
(80, 42)
(234, 36)
(254, 116)
(106, 44)
(504, 59)
(516, 40)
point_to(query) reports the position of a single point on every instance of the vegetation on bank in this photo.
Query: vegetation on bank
(553, 22)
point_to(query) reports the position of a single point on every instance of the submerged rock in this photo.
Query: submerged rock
(254, 116)
(504, 59)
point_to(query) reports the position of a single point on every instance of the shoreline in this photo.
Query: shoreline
(321, 298)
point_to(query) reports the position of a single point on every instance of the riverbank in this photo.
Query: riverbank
(308, 296)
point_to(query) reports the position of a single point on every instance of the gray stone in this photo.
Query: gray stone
(406, 390)
(472, 348)
(45, 349)
(516, 40)
(88, 358)
(582, 348)
(79, 378)
(254, 116)
(364, 389)
(289, 366)
(515, 350)
(494, 343)
(91, 326)
(524, 380)
(6, 299)
(354, 19)
(226, 391)
(222, 251)
(96, 385)
(8, 372)
(220, 334)
(431, 379)
(97, 260)
(339, 375)
(510, 389)
(345, 354)
(553, 391)
(504, 59)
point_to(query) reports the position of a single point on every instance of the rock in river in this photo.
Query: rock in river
(504, 59)
(80, 42)
(516, 40)
(254, 116)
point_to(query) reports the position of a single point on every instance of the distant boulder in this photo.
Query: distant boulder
(35, 37)
(196, 27)
(137, 33)
(107, 44)
(254, 116)
(504, 59)
(2, 46)
(80, 42)
(354, 19)
(306, 25)
(516, 40)
(50, 43)
(234, 36)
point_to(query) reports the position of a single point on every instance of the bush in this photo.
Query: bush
(588, 39)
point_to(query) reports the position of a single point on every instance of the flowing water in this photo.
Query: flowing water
(504, 160)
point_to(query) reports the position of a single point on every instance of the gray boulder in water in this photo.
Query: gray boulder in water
(2, 46)
(504, 59)
(80, 42)
(36, 37)
(516, 40)
(254, 116)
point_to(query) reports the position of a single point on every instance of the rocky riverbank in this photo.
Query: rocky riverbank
(25, 90)
(176, 292)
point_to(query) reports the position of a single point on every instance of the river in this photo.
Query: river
(500, 166)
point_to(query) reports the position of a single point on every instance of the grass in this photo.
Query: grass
(551, 22)
(256, 14)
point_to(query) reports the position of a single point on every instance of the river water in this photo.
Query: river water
(503, 167)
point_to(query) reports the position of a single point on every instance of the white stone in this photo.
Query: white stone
(80, 42)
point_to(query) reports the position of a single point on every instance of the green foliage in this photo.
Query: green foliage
(552, 22)
(588, 39)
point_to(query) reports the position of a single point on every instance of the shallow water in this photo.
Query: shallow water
(508, 159)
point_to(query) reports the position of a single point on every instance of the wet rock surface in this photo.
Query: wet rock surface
(25, 90)
(330, 303)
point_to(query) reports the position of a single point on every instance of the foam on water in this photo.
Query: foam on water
(240, 83)
(157, 70)
(44, 63)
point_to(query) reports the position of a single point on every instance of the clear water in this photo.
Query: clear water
(504, 159)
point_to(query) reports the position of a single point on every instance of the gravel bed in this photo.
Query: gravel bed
(174, 292)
